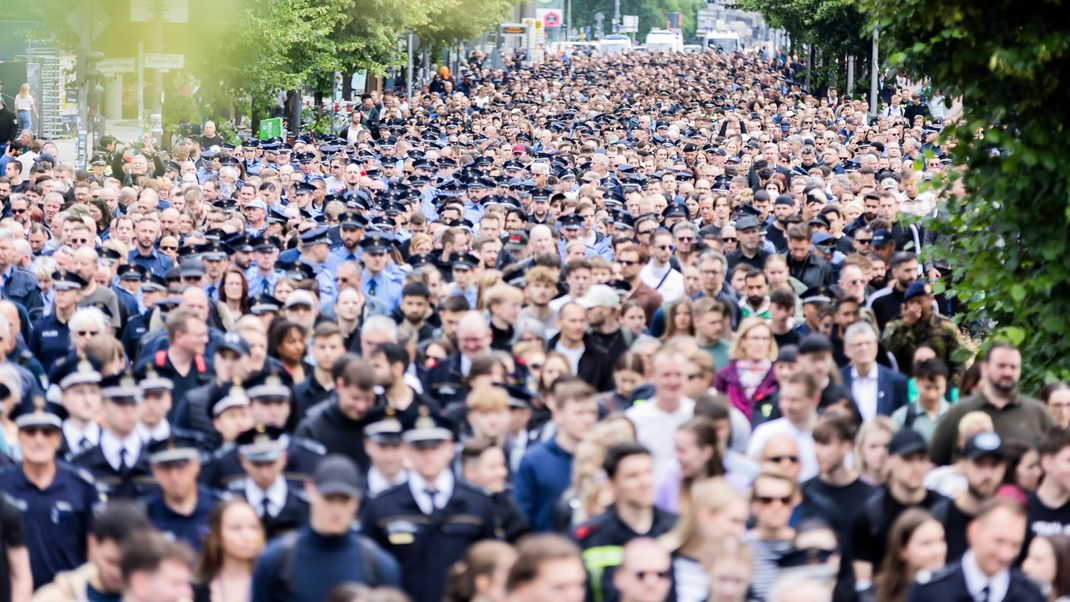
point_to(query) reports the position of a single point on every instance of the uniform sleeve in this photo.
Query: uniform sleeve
(11, 519)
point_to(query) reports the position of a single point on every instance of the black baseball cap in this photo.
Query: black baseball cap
(907, 442)
(337, 475)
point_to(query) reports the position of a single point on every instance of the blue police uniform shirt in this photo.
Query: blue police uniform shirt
(56, 520)
(130, 300)
(325, 279)
(259, 284)
(289, 256)
(339, 254)
(155, 262)
(50, 340)
(385, 287)
(190, 528)
(471, 294)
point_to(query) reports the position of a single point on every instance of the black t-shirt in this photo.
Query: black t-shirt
(1044, 520)
(836, 505)
(955, 533)
(12, 537)
(869, 535)
(791, 337)
(97, 596)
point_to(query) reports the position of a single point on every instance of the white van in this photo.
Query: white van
(664, 40)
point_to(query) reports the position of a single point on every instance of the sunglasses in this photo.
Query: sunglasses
(34, 431)
(660, 575)
(627, 262)
(17, 211)
(767, 500)
(168, 248)
(729, 239)
(864, 241)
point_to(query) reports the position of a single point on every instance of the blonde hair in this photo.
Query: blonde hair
(487, 398)
(588, 477)
(713, 494)
(500, 293)
(873, 425)
(744, 328)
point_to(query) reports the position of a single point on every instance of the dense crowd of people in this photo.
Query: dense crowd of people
(615, 328)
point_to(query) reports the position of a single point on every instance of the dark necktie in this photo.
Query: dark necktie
(372, 285)
(431, 493)
(984, 594)
(124, 463)
(265, 508)
(266, 289)
(211, 292)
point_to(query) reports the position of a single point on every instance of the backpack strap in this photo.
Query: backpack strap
(912, 415)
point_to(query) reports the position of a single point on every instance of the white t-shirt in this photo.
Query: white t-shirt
(655, 429)
(23, 104)
(573, 355)
(667, 281)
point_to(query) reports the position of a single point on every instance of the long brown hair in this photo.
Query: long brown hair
(212, 551)
(895, 576)
(243, 301)
(705, 432)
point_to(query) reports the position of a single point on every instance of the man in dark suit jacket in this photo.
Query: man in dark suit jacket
(986, 571)
(875, 389)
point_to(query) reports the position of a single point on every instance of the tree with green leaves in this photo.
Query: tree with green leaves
(1008, 232)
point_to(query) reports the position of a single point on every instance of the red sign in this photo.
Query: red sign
(552, 19)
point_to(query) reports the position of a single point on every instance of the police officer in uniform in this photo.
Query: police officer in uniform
(181, 507)
(51, 337)
(55, 498)
(382, 443)
(986, 572)
(428, 522)
(281, 506)
(119, 462)
(265, 390)
(153, 290)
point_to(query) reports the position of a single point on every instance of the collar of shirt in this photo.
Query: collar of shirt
(276, 495)
(73, 434)
(7, 273)
(419, 486)
(158, 433)
(872, 376)
(976, 580)
(378, 482)
(112, 447)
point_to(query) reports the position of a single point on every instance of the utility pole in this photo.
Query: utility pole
(157, 74)
(83, 89)
(850, 76)
(873, 75)
(408, 75)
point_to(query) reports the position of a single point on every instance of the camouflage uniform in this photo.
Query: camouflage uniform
(938, 332)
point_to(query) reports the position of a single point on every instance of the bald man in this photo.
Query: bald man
(446, 381)
(645, 572)
(85, 264)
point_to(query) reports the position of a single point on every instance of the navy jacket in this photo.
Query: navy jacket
(949, 585)
(544, 474)
(891, 388)
(21, 287)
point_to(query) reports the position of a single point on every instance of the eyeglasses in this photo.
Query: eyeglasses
(685, 238)
(768, 500)
(660, 575)
(782, 459)
(627, 262)
(168, 248)
(864, 241)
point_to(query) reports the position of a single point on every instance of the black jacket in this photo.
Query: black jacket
(426, 546)
(595, 367)
(328, 426)
(949, 585)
